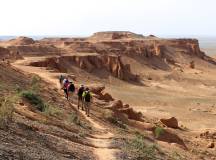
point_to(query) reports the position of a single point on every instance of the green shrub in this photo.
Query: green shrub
(158, 131)
(34, 99)
(139, 150)
(6, 110)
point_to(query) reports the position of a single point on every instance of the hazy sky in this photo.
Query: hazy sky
(84, 17)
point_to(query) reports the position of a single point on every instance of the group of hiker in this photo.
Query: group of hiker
(83, 93)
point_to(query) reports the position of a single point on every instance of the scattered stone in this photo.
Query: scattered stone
(21, 104)
(211, 145)
(192, 64)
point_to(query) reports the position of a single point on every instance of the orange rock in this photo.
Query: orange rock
(170, 137)
(211, 145)
(107, 97)
(141, 125)
(171, 122)
(115, 105)
(131, 113)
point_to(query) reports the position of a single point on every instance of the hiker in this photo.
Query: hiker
(70, 88)
(66, 83)
(79, 94)
(87, 98)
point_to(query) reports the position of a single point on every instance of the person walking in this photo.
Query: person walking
(71, 90)
(87, 97)
(66, 84)
(80, 99)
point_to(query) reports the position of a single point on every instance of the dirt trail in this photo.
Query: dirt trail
(103, 140)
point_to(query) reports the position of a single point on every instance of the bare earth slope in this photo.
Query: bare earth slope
(161, 78)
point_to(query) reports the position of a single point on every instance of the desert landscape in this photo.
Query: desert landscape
(154, 98)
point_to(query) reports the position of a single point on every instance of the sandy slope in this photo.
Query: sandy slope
(191, 99)
(101, 141)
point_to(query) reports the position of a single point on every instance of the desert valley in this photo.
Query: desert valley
(154, 98)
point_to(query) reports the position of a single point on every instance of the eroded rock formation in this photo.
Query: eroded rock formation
(6, 54)
(110, 63)
(21, 41)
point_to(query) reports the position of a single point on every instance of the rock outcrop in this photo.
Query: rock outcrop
(169, 136)
(106, 97)
(113, 35)
(21, 41)
(115, 44)
(211, 145)
(170, 122)
(6, 54)
(96, 89)
(35, 49)
(110, 63)
(118, 107)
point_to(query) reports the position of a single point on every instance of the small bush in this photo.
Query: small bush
(34, 99)
(176, 156)
(18, 89)
(6, 110)
(137, 149)
(52, 111)
(35, 83)
(158, 131)
(114, 120)
(74, 119)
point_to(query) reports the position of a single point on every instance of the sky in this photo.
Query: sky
(84, 17)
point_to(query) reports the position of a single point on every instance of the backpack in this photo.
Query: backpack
(87, 97)
(71, 87)
(66, 85)
(80, 91)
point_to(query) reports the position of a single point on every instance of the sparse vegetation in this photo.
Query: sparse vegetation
(34, 99)
(137, 149)
(35, 83)
(192, 64)
(176, 156)
(114, 120)
(6, 110)
(52, 110)
(73, 118)
(158, 131)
